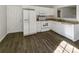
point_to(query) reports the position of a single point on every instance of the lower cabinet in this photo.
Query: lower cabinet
(58, 27)
(76, 32)
(67, 30)
(63, 29)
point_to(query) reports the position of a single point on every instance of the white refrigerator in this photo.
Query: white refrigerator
(29, 22)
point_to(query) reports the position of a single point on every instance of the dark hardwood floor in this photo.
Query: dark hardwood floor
(45, 42)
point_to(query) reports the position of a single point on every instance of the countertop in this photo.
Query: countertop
(61, 20)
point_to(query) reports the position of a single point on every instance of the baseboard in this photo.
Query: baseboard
(14, 32)
(3, 37)
(6, 34)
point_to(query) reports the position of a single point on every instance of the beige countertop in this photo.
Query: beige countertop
(64, 21)
(61, 20)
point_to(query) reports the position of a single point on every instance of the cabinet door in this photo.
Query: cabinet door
(61, 29)
(76, 32)
(32, 22)
(54, 26)
(69, 31)
(58, 28)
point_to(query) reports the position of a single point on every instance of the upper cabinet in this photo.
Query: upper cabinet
(67, 12)
(40, 10)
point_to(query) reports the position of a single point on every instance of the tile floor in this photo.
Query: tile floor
(65, 47)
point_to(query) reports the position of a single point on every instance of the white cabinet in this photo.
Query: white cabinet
(63, 29)
(69, 31)
(57, 27)
(72, 31)
(60, 28)
(29, 22)
(76, 31)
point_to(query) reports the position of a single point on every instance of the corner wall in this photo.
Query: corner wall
(14, 18)
(3, 22)
(77, 13)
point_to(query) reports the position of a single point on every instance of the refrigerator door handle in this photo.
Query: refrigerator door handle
(25, 20)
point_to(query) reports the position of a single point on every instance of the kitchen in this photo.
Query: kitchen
(35, 21)
(65, 25)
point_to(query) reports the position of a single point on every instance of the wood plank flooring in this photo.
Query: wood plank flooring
(45, 42)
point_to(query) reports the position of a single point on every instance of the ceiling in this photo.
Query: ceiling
(49, 6)
(54, 6)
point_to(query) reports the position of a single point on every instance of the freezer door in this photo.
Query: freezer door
(25, 15)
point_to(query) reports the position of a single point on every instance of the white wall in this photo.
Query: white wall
(14, 18)
(3, 22)
(77, 13)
